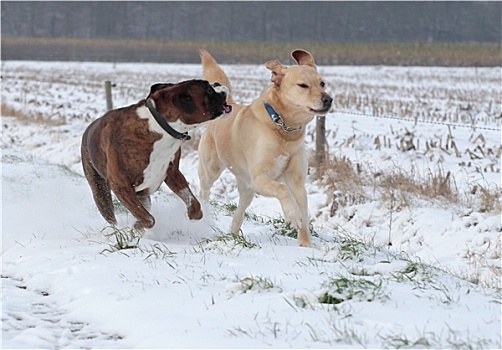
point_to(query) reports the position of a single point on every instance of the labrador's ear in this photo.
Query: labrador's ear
(303, 57)
(184, 102)
(278, 71)
(157, 87)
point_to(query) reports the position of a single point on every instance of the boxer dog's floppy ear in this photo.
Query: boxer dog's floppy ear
(184, 102)
(157, 87)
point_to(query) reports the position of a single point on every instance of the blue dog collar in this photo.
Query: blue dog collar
(276, 118)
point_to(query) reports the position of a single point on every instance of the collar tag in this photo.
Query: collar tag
(277, 119)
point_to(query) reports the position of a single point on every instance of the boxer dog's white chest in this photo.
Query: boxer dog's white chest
(162, 154)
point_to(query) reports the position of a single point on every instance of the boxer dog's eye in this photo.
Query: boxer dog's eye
(185, 102)
(186, 98)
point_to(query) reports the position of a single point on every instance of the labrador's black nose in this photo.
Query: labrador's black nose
(326, 101)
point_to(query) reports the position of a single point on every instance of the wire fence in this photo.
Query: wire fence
(416, 120)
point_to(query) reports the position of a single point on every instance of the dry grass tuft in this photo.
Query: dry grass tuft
(398, 185)
(38, 118)
(354, 183)
(489, 200)
(345, 180)
(8, 111)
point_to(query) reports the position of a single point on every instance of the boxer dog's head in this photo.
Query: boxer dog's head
(190, 102)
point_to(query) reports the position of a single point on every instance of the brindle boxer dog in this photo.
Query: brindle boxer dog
(132, 150)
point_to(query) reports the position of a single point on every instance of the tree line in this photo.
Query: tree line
(257, 21)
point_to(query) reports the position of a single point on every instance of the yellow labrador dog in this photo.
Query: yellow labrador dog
(263, 144)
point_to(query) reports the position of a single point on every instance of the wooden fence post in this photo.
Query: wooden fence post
(320, 144)
(108, 93)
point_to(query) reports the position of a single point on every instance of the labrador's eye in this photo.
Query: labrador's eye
(303, 86)
(322, 84)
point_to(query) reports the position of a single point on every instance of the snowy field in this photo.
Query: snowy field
(403, 273)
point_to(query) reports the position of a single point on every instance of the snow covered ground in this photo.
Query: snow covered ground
(69, 281)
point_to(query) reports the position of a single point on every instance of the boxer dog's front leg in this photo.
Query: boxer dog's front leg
(177, 182)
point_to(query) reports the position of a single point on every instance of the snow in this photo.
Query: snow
(187, 284)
